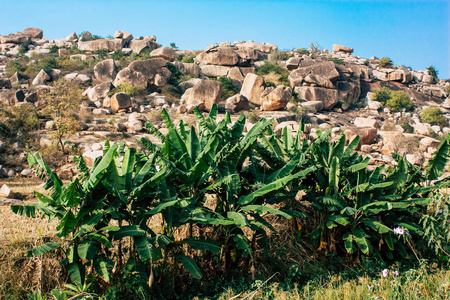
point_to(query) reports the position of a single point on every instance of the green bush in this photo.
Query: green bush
(447, 90)
(102, 53)
(126, 87)
(433, 116)
(228, 89)
(396, 101)
(269, 67)
(432, 71)
(336, 60)
(407, 127)
(385, 62)
(399, 100)
(118, 55)
(188, 59)
(54, 49)
(302, 51)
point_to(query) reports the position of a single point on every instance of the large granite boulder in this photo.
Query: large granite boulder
(101, 44)
(123, 35)
(342, 49)
(41, 78)
(214, 71)
(349, 91)
(237, 103)
(252, 88)
(15, 38)
(204, 94)
(188, 68)
(34, 33)
(367, 135)
(219, 56)
(264, 47)
(131, 77)
(141, 46)
(329, 97)
(105, 70)
(99, 91)
(11, 97)
(120, 101)
(164, 53)
(324, 73)
(275, 98)
(144, 73)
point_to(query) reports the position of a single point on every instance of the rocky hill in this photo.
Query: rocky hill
(121, 82)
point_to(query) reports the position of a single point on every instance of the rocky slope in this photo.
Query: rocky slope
(332, 90)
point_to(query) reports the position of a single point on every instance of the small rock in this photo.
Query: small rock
(6, 191)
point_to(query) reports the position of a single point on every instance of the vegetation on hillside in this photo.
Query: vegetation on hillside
(210, 202)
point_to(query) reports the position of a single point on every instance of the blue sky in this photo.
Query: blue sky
(411, 33)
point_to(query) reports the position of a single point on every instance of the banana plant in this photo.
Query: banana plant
(361, 206)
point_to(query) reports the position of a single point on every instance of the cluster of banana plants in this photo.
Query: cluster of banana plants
(217, 185)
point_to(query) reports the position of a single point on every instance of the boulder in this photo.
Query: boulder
(6, 192)
(342, 49)
(101, 44)
(434, 91)
(312, 106)
(318, 80)
(252, 88)
(99, 92)
(367, 122)
(90, 156)
(85, 36)
(131, 77)
(5, 83)
(149, 68)
(293, 62)
(41, 78)
(120, 101)
(164, 53)
(275, 98)
(71, 37)
(105, 70)
(328, 97)
(219, 56)
(11, 97)
(214, 71)
(427, 142)
(349, 91)
(264, 47)
(15, 38)
(237, 103)
(188, 68)
(367, 135)
(325, 69)
(123, 35)
(141, 46)
(34, 33)
(205, 92)
(235, 73)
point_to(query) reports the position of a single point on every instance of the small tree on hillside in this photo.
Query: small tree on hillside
(63, 99)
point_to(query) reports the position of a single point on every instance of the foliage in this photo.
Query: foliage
(432, 71)
(336, 60)
(302, 51)
(188, 59)
(385, 62)
(276, 56)
(268, 68)
(102, 53)
(436, 225)
(128, 88)
(395, 100)
(433, 116)
(228, 89)
(23, 48)
(62, 100)
(314, 49)
(54, 49)
(407, 127)
(447, 90)
(118, 54)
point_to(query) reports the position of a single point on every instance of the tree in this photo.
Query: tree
(63, 99)
(173, 46)
(432, 71)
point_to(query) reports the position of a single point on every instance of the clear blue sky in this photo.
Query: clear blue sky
(412, 33)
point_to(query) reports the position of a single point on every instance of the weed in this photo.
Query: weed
(336, 60)
(433, 116)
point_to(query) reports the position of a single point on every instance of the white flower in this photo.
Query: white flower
(399, 231)
(385, 273)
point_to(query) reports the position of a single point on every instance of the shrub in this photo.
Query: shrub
(336, 60)
(433, 116)
(276, 56)
(314, 50)
(118, 55)
(432, 71)
(188, 59)
(126, 87)
(54, 49)
(102, 53)
(268, 68)
(407, 127)
(228, 89)
(399, 100)
(395, 100)
(385, 62)
(302, 51)
(270, 84)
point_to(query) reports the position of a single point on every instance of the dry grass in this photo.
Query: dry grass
(18, 274)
